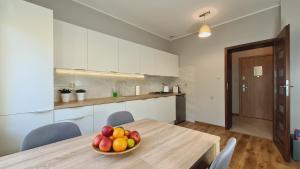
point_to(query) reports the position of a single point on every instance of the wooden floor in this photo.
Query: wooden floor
(251, 152)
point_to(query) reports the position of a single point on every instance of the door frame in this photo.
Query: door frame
(228, 73)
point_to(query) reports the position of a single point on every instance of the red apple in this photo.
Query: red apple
(105, 144)
(107, 131)
(97, 140)
(135, 136)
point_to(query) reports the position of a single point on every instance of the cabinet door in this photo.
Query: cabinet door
(129, 57)
(141, 109)
(150, 61)
(14, 128)
(70, 46)
(102, 52)
(82, 116)
(169, 64)
(101, 113)
(165, 109)
(26, 57)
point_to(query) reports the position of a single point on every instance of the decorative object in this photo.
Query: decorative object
(116, 140)
(137, 90)
(114, 93)
(80, 93)
(65, 95)
(205, 30)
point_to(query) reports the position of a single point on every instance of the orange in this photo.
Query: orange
(118, 133)
(112, 138)
(119, 144)
(126, 133)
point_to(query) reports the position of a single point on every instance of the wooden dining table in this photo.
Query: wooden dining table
(163, 146)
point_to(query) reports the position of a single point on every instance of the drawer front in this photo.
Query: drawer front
(73, 114)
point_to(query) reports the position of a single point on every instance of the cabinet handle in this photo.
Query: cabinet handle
(75, 119)
(39, 112)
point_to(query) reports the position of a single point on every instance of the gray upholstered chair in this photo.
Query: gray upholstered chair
(50, 134)
(222, 161)
(119, 118)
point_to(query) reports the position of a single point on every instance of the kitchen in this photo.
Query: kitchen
(69, 61)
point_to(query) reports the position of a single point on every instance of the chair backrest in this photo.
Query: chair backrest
(119, 118)
(50, 134)
(222, 161)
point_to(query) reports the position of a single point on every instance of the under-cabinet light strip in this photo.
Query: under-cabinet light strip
(95, 73)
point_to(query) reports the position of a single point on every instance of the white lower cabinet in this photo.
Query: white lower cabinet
(13, 129)
(161, 109)
(82, 116)
(141, 109)
(101, 113)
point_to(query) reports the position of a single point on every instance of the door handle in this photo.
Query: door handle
(287, 87)
(244, 87)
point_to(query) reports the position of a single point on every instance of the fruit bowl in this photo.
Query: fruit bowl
(116, 140)
(110, 153)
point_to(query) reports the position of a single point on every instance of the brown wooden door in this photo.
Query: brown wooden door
(282, 93)
(256, 91)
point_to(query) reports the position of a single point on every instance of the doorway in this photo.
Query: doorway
(281, 87)
(252, 92)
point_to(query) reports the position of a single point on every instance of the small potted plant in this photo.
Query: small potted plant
(80, 94)
(65, 95)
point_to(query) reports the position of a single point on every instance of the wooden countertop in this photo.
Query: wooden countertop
(163, 146)
(89, 102)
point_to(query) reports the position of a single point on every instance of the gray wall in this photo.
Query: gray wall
(202, 62)
(77, 14)
(290, 15)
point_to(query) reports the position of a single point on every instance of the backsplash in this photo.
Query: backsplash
(98, 87)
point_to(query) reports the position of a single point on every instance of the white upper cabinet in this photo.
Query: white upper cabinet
(70, 46)
(169, 64)
(26, 58)
(129, 57)
(79, 48)
(160, 63)
(102, 52)
(150, 61)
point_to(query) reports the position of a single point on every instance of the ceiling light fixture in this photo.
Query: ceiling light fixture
(205, 30)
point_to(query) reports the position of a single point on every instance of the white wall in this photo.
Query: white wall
(290, 15)
(202, 62)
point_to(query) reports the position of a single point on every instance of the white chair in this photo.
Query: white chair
(223, 159)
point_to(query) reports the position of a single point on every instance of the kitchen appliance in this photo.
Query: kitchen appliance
(137, 90)
(176, 89)
(180, 109)
(26, 71)
(26, 59)
(165, 88)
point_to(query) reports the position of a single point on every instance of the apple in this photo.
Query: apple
(135, 136)
(97, 140)
(105, 144)
(107, 131)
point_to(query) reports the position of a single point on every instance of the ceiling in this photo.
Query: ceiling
(172, 19)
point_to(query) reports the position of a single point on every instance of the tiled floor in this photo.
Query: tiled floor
(251, 152)
(252, 126)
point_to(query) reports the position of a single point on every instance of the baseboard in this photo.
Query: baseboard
(209, 124)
